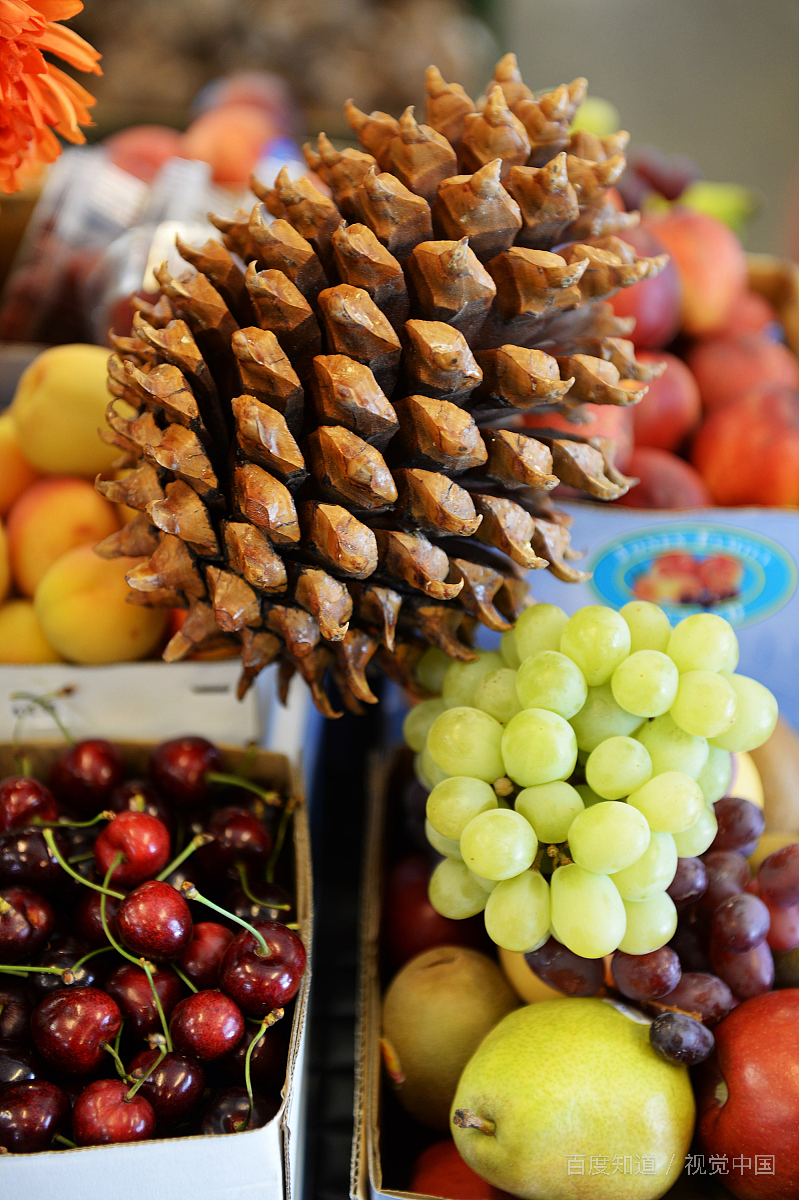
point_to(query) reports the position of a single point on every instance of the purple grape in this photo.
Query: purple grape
(749, 974)
(689, 882)
(567, 972)
(703, 996)
(691, 946)
(680, 1039)
(740, 825)
(727, 875)
(740, 923)
(646, 976)
(778, 877)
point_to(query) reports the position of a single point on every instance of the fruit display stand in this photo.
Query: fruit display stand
(250, 1165)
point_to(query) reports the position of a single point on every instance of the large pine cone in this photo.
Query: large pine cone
(306, 398)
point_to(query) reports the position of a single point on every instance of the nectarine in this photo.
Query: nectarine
(710, 262)
(21, 637)
(5, 568)
(666, 482)
(16, 473)
(671, 409)
(50, 517)
(726, 368)
(748, 451)
(82, 606)
(604, 420)
(752, 313)
(655, 303)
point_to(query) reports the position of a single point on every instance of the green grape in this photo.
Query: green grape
(538, 628)
(449, 847)
(487, 885)
(419, 720)
(649, 626)
(587, 911)
(550, 808)
(645, 683)
(429, 772)
(705, 705)
(466, 741)
(587, 795)
(732, 661)
(463, 677)
(617, 767)
(671, 748)
(608, 837)
(498, 844)
(453, 893)
(431, 669)
(650, 924)
(702, 642)
(671, 802)
(597, 639)
(601, 717)
(715, 776)
(756, 716)
(517, 913)
(452, 803)
(507, 648)
(537, 747)
(550, 680)
(700, 836)
(496, 695)
(652, 872)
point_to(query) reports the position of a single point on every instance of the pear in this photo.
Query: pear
(566, 1099)
(436, 1012)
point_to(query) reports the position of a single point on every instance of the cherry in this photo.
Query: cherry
(16, 1063)
(31, 1114)
(129, 986)
(85, 775)
(139, 795)
(179, 766)
(15, 1009)
(26, 922)
(71, 1027)
(87, 920)
(258, 982)
(206, 1025)
(174, 1088)
(25, 859)
(265, 902)
(229, 1111)
(154, 921)
(203, 953)
(64, 955)
(144, 842)
(267, 1061)
(22, 799)
(239, 837)
(103, 1114)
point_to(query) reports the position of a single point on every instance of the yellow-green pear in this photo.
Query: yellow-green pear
(566, 1099)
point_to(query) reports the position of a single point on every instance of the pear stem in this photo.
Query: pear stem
(464, 1118)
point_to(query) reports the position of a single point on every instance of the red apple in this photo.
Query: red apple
(666, 482)
(440, 1171)
(604, 420)
(752, 313)
(710, 262)
(748, 1097)
(748, 451)
(412, 925)
(671, 409)
(726, 368)
(655, 303)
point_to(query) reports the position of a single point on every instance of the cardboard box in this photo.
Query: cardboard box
(263, 1164)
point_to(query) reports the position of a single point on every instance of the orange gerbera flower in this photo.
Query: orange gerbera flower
(37, 100)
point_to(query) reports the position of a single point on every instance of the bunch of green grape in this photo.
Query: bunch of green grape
(569, 771)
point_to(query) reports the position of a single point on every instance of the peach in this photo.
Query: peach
(5, 566)
(727, 368)
(655, 303)
(50, 517)
(142, 150)
(671, 409)
(21, 637)
(59, 407)
(748, 451)
(230, 139)
(752, 313)
(16, 473)
(82, 605)
(666, 482)
(710, 262)
(606, 420)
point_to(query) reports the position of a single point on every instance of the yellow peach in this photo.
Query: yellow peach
(16, 473)
(21, 637)
(5, 567)
(51, 517)
(59, 407)
(82, 605)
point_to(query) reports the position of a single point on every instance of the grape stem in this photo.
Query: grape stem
(560, 858)
(464, 1118)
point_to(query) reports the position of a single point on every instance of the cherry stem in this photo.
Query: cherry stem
(24, 763)
(14, 970)
(241, 871)
(105, 815)
(269, 1020)
(120, 1066)
(465, 1119)
(269, 797)
(45, 702)
(184, 979)
(280, 837)
(200, 839)
(145, 966)
(117, 859)
(86, 957)
(191, 893)
(62, 862)
(162, 1051)
(250, 751)
(59, 1137)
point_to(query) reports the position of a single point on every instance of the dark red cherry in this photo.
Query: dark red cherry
(129, 987)
(26, 859)
(102, 1114)
(203, 953)
(239, 837)
(140, 795)
(271, 903)
(206, 1025)
(144, 842)
(154, 921)
(22, 799)
(229, 1111)
(261, 982)
(85, 775)
(178, 768)
(267, 1061)
(26, 922)
(87, 920)
(17, 1064)
(15, 1009)
(70, 1029)
(174, 1088)
(64, 955)
(31, 1114)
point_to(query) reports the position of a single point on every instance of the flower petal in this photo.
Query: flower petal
(71, 47)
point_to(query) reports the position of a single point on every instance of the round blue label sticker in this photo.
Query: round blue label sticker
(688, 567)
